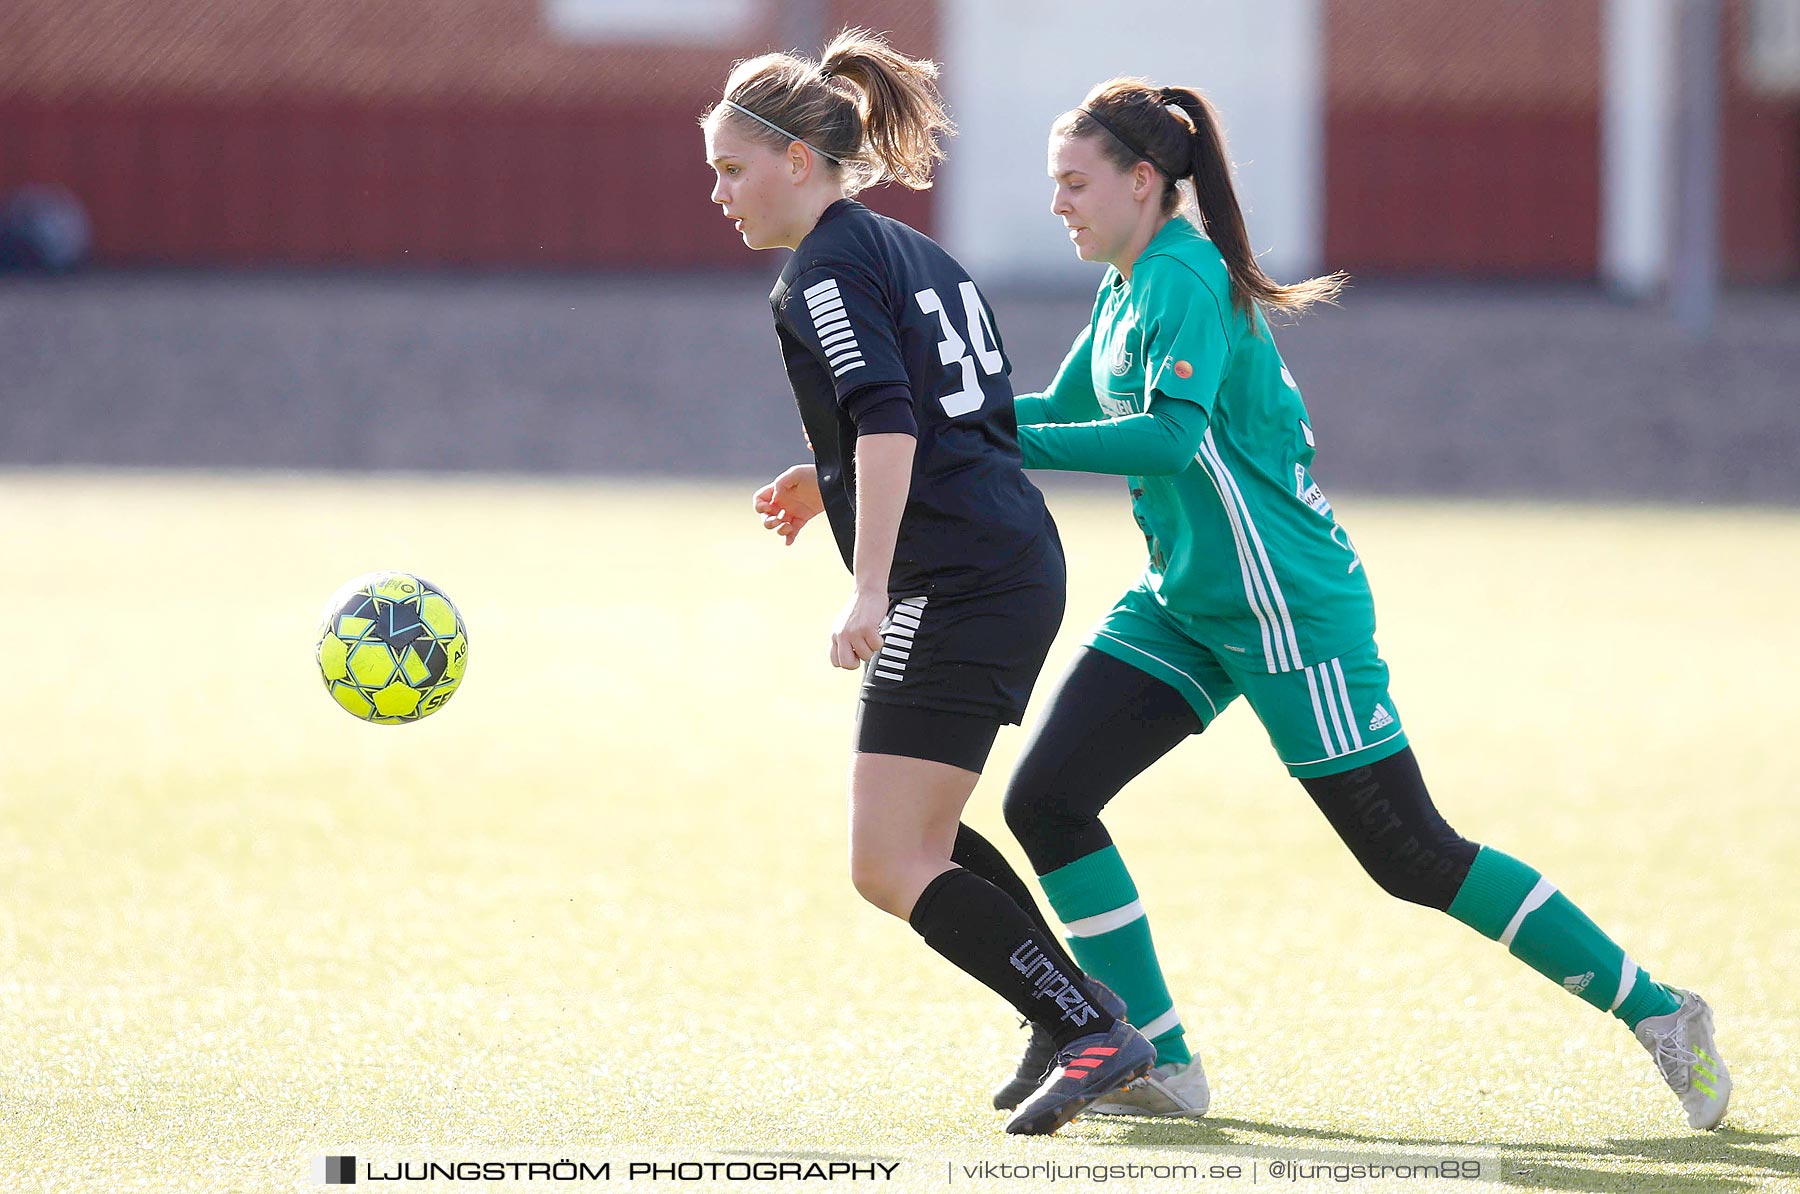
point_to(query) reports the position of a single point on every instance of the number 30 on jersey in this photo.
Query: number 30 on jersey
(952, 350)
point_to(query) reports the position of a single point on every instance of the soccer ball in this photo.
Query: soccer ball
(391, 647)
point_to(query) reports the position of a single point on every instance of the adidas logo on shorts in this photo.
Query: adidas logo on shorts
(1381, 719)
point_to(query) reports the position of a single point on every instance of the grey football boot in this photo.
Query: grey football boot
(1175, 1090)
(1681, 1043)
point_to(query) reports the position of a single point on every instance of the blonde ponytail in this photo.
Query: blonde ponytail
(874, 113)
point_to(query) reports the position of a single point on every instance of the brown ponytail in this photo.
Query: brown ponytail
(1136, 124)
(864, 104)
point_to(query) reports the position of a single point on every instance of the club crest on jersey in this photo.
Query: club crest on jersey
(1121, 357)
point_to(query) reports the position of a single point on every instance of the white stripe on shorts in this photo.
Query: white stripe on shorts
(1337, 666)
(1312, 684)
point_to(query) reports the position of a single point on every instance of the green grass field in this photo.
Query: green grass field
(597, 908)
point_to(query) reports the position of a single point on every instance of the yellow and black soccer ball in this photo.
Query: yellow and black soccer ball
(392, 648)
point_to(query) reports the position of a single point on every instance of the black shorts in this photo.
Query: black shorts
(967, 661)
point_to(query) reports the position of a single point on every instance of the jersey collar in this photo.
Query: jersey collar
(1178, 229)
(1172, 233)
(837, 210)
(842, 207)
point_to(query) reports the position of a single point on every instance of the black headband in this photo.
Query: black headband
(1127, 142)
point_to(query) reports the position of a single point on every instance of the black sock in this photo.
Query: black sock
(975, 853)
(986, 935)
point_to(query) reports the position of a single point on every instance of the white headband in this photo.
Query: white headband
(771, 124)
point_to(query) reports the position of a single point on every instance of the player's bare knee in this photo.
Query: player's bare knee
(881, 882)
(869, 885)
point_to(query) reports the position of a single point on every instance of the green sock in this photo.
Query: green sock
(1110, 936)
(1507, 901)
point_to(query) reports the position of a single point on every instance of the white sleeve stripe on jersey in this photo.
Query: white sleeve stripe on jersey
(831, 323)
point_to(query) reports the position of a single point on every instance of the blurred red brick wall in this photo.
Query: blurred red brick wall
(1462, 138)
(399, 132)
(1465, 138)
(1760, 162)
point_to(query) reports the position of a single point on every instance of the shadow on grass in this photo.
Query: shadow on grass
(1539, 1166)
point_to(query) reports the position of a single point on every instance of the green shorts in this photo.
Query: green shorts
(1333, 716)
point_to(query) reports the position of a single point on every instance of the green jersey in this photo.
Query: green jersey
(1185, 395)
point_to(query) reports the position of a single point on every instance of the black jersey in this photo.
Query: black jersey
(872, 314)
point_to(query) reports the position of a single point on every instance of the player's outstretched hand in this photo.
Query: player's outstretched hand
(857, 636)
(790, 501)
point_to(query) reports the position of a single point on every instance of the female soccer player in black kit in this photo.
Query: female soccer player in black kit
(903, 389)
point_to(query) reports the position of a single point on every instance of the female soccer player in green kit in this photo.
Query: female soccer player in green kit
(1252, 588)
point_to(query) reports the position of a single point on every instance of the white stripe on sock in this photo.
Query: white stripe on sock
(1540, 895)
(1105, 922)
(1169, 1019)
(1628, 973)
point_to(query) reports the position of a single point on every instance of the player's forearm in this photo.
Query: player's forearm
(1154, 444)
(883, 482)
(1068, 400)
(1030, 409)
(1070, 396)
